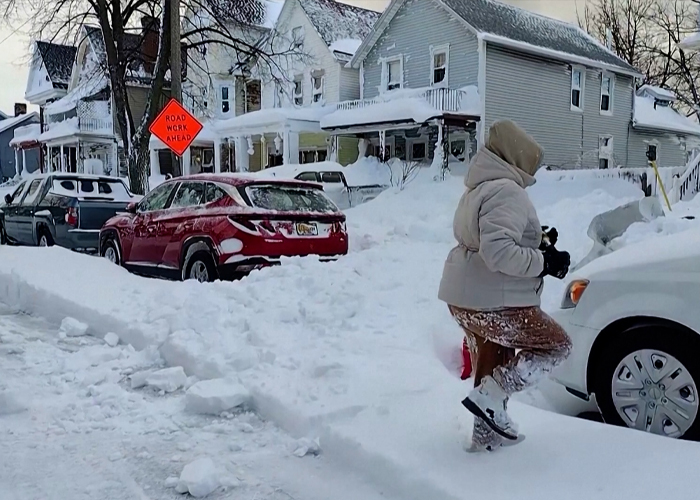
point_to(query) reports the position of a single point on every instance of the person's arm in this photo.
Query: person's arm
(502, 221)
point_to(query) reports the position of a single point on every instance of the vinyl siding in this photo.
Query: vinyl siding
(349, 86)
(418, 25)
(668, 149)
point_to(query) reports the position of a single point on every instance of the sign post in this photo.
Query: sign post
(176, 127)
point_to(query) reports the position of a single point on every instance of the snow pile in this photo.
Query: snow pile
(71, 327)
(199, 478)
(166, 380)
(215, 396)
(10, 403)
(364, 172)
(67, 127)
(648, 115)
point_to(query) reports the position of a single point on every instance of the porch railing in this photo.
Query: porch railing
(442, 99)
(85, 124)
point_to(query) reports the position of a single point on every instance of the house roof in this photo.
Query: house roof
(266, 17)
(657, 92)
(58, 60)
(335, 21)
(504, 24)
(16, 121)
(649, 115)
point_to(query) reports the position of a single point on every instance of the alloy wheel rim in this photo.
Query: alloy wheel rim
(654, 392)
(111, 255)
(199, 272)
(43, 242)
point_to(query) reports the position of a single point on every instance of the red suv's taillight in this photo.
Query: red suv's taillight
(72, 216)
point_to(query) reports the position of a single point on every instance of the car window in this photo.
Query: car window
(87, 186)
(16, 193)
(214, 193)
(331, 177)
(307, 176)
(32, 192)
(189, 194)
(290, 199)
(64, 187)
(158, 198)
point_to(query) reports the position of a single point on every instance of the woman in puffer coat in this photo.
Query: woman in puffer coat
(493, 279)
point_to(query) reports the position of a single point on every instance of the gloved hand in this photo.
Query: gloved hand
(556, 263)
(549, 237)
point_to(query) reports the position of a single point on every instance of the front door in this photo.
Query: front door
(144, 249)
(25, 213)
(10, 211)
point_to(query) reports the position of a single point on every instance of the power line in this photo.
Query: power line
(14, 32)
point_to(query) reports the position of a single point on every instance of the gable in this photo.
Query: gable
(38, 80)
(335, 21)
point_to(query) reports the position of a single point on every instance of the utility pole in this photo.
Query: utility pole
(175, 67)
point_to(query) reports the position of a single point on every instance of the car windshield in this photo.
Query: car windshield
(290, 199)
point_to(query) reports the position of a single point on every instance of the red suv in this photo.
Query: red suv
(210, 226)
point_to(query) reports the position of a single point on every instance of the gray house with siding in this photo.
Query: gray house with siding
(10, 160)
(575, 96)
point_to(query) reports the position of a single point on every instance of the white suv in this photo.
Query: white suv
(634, 317)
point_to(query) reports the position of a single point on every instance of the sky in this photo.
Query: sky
(15, 44)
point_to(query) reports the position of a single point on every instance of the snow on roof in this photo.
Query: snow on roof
(402, 106)
(61, 129)
(347, 46)
(337, 21)
(26, 134)
(657, 92)
(490, 16)
(91, 85)
(272, 13)
(58, 60)
(274, 117)
(9, 123)
(647, 115)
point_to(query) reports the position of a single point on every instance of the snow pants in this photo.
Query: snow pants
(493, 337)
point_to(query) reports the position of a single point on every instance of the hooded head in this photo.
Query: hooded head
(514, 146)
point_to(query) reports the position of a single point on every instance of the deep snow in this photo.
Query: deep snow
(344, 354)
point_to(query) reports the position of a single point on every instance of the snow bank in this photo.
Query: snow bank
(311, 340)
(364, 172)
(71, 327)
(11, 402)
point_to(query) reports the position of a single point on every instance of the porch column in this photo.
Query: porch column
(62, 161)
(263, 152)
(16, 163)
(290, 147)
(217, 156)
(154, 162)
(186, 162)
(115, 161)
(333, 146)
(24, 162)
(285, 147)
(242, 157)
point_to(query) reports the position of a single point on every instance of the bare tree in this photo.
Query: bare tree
(211, 22)
(646, 34)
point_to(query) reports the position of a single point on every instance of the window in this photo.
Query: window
(253, 92)
(307, 176)
(607, 84)
(331, 177)
(190, 194)
(577, 75)
(387, 151)
(32, 192)
(214, 193)
(307, 156)
(605, 151)
(298, 37)
(393, 73)
(225, 100)
(158, 198)
(298, 91)
(87, 186)
(286, 199)
(458, 149)
(438, 67)
(317, 83)
(418, 151)
(18, 191)
(321, 155)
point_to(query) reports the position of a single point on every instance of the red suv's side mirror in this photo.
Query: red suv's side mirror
(131, 207)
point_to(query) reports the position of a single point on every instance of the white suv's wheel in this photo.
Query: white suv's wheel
(648, 380)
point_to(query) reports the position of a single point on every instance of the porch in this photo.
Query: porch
(27, 149)
(413, 125)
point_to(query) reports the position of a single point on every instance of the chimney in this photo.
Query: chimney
(608, 38)
(150, 38)
(20, 108)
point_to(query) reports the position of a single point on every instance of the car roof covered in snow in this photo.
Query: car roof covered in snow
(238, 179)
(58, 60)
(504, 24)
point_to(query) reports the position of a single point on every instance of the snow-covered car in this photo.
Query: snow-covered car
(344, 192)
(634, 320)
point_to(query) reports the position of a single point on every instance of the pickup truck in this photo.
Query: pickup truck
(332, 177)
(62, 209)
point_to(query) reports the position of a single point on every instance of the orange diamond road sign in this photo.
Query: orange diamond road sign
(176, 127)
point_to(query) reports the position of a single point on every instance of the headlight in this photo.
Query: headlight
(573, 294)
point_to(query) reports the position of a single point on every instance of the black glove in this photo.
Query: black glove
(556, 263)
(549, 237)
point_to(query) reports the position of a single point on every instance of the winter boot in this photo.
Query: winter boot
(488, 401)
(471, 447)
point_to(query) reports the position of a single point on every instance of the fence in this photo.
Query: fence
(441, 99)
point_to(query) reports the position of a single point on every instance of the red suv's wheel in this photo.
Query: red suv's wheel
(201, 268)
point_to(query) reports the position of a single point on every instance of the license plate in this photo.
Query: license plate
(304, 229)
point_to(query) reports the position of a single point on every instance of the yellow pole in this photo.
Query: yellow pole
(663, 189)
